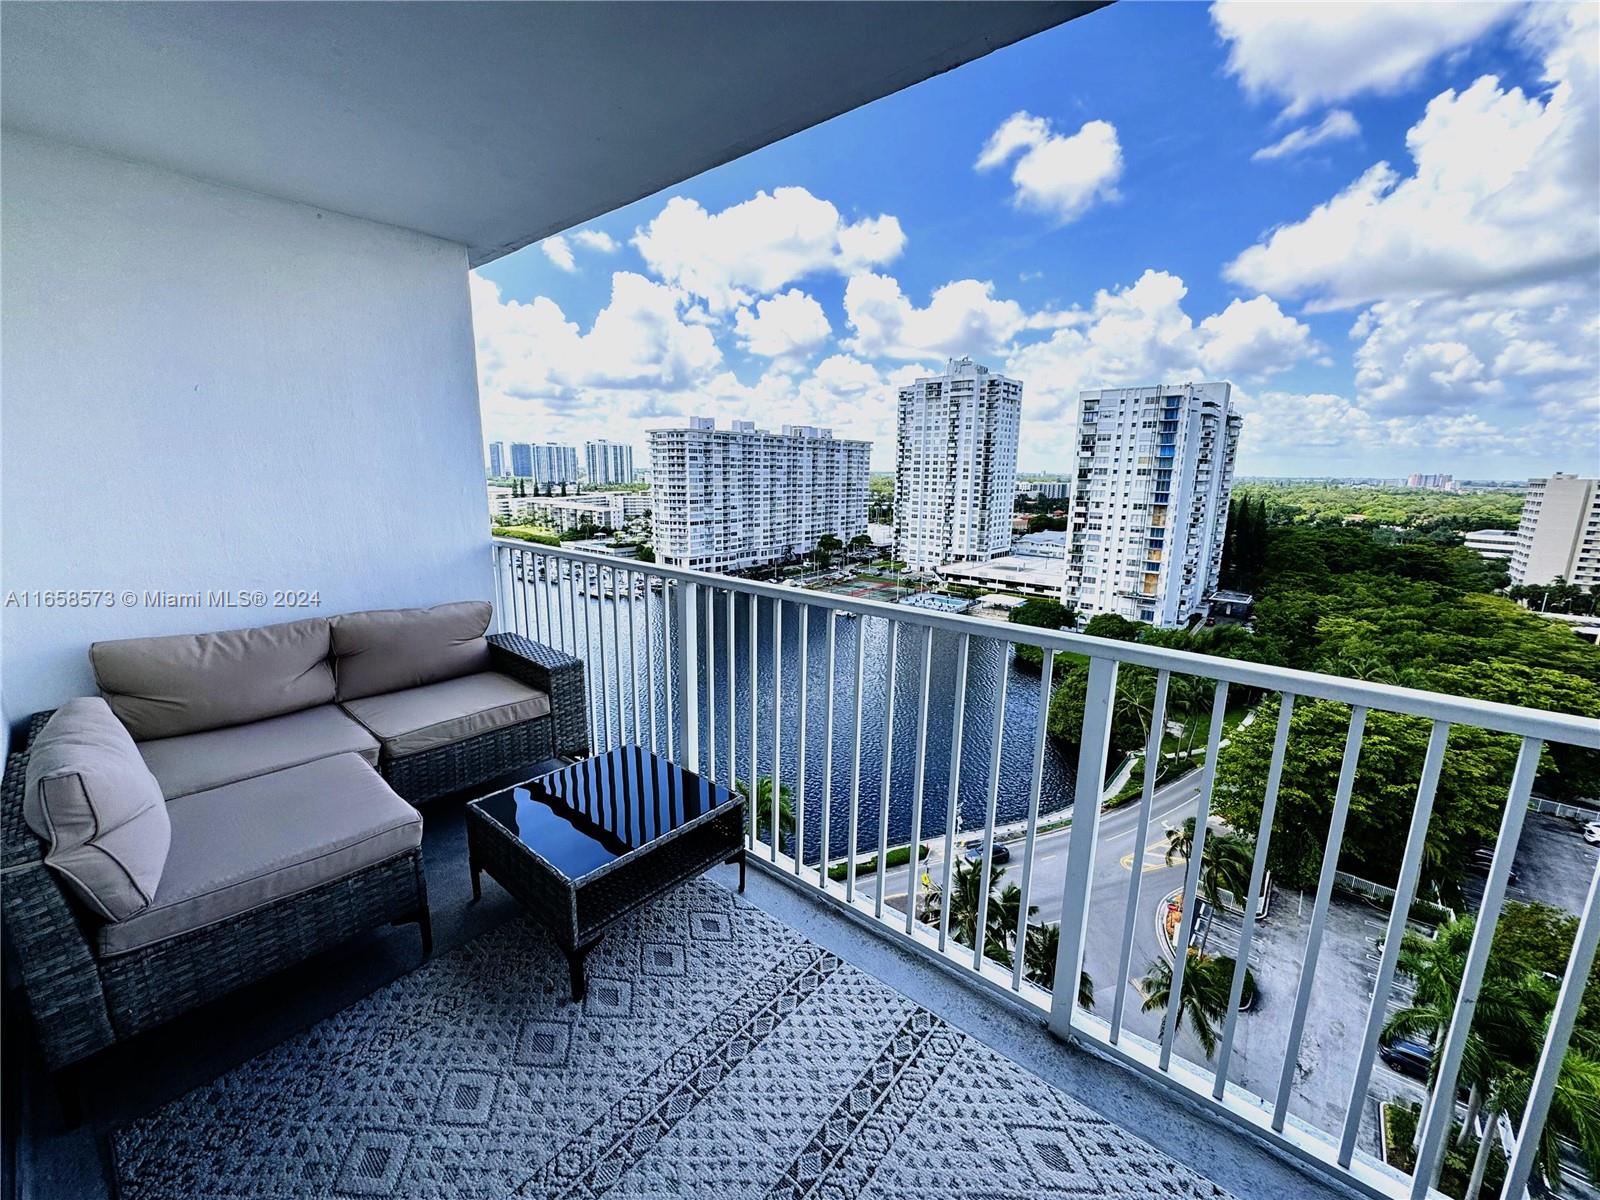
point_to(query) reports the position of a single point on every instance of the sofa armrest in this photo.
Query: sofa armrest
(556, 673)
(49, 943)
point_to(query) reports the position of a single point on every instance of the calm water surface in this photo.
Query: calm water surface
(597, 627)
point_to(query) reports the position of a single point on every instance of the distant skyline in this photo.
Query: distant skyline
(1393, 256)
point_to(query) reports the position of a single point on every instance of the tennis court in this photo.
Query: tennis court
(865, 589)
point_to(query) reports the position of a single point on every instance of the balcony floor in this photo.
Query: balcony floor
(137, 1079)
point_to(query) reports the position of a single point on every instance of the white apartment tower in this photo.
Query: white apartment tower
(955, 475)
(731, 499)
(608, 462)
(1559, 533)
(1150, 502)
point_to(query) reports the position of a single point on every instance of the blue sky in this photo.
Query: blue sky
(1383, 224)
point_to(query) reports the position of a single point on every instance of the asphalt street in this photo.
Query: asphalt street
(1114, 864)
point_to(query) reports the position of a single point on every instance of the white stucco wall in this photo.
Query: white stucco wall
(205, 388)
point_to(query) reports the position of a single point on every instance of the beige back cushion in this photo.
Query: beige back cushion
(97, 807)
(395, 648)
(166, 686)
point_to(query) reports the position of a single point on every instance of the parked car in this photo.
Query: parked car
(974, 851)
(1407, 1057)
(1591, 833)
(1483, 859)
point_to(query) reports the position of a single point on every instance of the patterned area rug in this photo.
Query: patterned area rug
(718, 1054)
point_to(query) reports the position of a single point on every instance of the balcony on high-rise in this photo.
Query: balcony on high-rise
(239, 362)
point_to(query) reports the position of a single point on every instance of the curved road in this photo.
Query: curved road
(1114, 865)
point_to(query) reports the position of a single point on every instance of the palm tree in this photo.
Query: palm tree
(1228, 858)
(1039, 959)
(1207, 984)
(1574, 1111)
(763, 807)
(1000, 923)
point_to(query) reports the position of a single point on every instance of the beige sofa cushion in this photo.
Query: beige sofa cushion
(390, 649)
(196, 762)
(90, 797)
(166, 686)
(439, 714)
(250, 843)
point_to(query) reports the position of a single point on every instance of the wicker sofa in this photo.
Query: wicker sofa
(232, 803)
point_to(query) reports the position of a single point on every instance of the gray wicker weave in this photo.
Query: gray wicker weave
(81, 1003)
(563, 733)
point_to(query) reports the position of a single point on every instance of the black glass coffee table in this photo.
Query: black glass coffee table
(590, 843)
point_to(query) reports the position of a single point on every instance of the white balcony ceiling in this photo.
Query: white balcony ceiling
(488, 124)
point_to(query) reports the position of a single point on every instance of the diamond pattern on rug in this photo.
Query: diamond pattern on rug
(717, 1054)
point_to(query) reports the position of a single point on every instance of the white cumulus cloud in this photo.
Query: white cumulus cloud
(1501, 193)
(761, 245)
(1141, 335)
(962, 317)
(1061, 175)
(594, 239)
(789, 323)
(1308, 55)
(557, 250)
(1337, 126)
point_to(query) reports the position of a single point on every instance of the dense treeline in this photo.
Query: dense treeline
(1348, 600)
(1409, 508)
(1342, 601)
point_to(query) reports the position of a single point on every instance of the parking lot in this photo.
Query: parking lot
(1553, 865)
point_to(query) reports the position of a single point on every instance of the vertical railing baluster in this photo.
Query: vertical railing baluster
(733, 697)
(1441, 1109)
(496, 562)
(616, 654)
(606, 681)
(827, 749)
(650, 666)
(915, 862)
(860, 628)
(1035, 787)
(990, 809)
(1319, 912)
(1252, 900)
(1141, 836)
(1191, 882)
(593, 686)
(633, 659)
(1556, 1039)
(560, 625)
(669, 649)
(887, 773)
(952, 816)
(520, 598)
(710, 751)
(777, 722)
(755, 707)
(802, 740)
(689, 675)
(540, 619)
(1405, 890)
(1094, 744)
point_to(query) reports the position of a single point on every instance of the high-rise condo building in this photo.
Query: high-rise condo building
(1150, 502)
(497, 460)
(1434, 483)
(730, 499)
(608, 462)
(544, 463)
(1559, 534)
(955, 475)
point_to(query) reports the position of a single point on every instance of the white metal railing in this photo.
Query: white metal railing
(661, 676)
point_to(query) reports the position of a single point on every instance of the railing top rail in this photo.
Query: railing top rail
(1485, 714)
